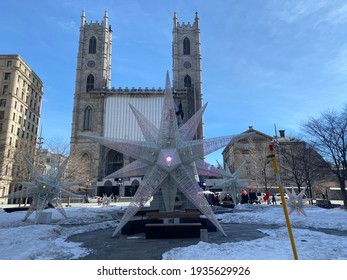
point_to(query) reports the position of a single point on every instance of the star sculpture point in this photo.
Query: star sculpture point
(169, 159)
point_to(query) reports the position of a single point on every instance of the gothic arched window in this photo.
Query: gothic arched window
(186, 46)
(114, 161)
(88, 118)
(86, 164)
(90, 82)
(187, 81)
(92, 45)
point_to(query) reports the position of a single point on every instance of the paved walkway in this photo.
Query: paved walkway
(136, 247)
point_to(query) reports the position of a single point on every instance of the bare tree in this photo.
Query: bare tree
(301, 163)
(328, 134)
(14, 169)
(292, 162)
(77, 169)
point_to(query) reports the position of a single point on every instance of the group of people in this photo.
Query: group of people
(267, 198)
(215, 199)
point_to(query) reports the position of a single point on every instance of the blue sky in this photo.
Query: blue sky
(264, 62)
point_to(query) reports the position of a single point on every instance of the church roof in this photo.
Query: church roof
(257, 135)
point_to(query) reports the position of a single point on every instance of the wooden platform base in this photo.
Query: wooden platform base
(164, 231)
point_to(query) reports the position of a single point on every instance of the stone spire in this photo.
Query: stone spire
(83, 17)
(197, 22)
(175, 20)
(105, 21)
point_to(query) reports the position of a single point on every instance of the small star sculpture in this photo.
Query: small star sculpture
(106, 200)
(169, 159)
(230, 184)
(296, 202)
(45, 190)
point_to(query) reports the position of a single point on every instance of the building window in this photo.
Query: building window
(90, 82)
(2, 115)
(186, 46)
(0, 127)
(88, 118)
(2, 102)
(7, 76)
(92, 45)
(5, 89)
(9, 63)
(87, 162)
(187, 81)
(114, 161)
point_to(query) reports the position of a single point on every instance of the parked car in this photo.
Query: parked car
(94, 199)
(278, 197)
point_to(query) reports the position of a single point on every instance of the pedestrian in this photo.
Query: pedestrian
(274, 199)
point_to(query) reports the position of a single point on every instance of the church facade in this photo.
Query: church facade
(103, 110)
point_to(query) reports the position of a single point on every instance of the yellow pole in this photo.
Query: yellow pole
(279, 183)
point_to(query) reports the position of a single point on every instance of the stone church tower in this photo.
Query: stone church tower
(103, 110)
(93, 76)
(186, 66)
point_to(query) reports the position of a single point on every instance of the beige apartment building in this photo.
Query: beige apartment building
(21, 92)
(298, 164)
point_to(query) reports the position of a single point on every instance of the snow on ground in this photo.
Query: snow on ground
(310, 245)
(27, 241)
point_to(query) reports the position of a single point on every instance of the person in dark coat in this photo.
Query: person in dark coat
(274, 199)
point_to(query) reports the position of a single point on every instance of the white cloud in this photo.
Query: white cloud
(68, 25)
(338, 64)
(290, 11)
(338, 16)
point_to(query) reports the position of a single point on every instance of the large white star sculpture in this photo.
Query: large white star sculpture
(169, 159)
(45, 190)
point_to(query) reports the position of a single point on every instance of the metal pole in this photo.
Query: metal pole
(272, 157)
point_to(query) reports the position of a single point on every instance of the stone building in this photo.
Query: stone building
(299, 165)
(20, 112)
(103, 110)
